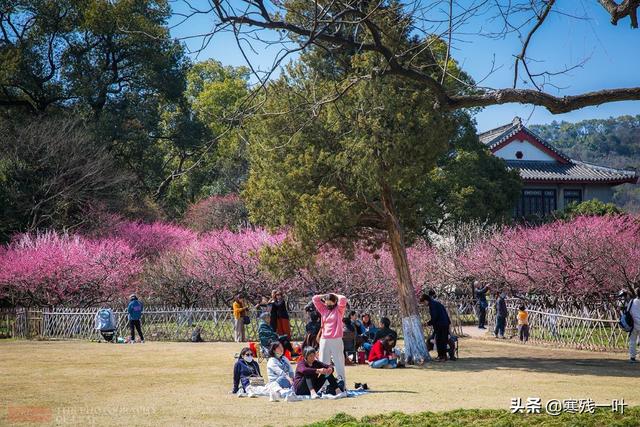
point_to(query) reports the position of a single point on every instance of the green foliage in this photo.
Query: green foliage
(322, 171)
(592, 207)
(470, 184)
(85, 52)
(330, 147)
(487, 418)
(204, 153)
(167, 124)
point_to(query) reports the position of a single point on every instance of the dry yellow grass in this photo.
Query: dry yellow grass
(82, 383)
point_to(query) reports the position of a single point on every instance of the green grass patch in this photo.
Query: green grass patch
(488, 418)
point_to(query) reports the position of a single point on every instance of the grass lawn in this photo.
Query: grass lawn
(160, 383)
(487, 418)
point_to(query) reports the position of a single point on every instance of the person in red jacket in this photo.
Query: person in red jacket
(382, 354)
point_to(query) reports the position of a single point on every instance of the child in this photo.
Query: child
(523, 324)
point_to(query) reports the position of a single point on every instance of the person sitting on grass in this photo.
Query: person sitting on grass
(279, 369)
(244, 369)
(311, 376)
(267, 335)
(312, 328)
(382, 354)
(366, 326)
(349, 339)
(385, 330)
(196, 334)
(523, 324)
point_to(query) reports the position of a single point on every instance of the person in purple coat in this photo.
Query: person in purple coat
(311, 375)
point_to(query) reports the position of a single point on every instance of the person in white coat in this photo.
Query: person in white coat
(279, 373)
(634, 309)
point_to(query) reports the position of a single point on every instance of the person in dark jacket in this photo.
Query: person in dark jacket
(134, 310)
(279, 314)
(196, 334)
(440, 322)
(501, 315)
(312, 328)
(385, 330)
(244, 369)
(482, 304)
(311, 375)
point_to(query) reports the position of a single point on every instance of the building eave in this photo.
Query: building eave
(556, 181)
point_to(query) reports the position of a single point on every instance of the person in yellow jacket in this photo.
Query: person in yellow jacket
(523, 324)
(239, 312)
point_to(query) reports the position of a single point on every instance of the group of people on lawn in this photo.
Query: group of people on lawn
(320, 367)
(320, 370)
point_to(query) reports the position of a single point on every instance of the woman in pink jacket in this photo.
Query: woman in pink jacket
(331, 308)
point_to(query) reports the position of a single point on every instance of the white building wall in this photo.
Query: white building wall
(529, 152)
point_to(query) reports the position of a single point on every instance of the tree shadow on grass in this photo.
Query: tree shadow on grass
(571, 366)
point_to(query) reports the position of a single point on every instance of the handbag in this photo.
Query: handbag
(626, 319)
(256, 381)
(246, 320)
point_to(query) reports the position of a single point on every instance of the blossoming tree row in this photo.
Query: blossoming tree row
(172, 265)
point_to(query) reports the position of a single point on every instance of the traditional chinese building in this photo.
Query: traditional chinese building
(551, 179)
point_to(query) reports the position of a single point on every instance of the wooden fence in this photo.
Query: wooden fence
(558, 327)
(168, 324)
(565, 328)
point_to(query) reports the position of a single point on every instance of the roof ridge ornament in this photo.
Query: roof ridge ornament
(517, 121)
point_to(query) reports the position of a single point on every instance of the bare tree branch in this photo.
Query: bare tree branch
(324, 25)
(625, 8)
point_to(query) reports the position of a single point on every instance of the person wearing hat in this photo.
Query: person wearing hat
(134, 309)
(267, 335)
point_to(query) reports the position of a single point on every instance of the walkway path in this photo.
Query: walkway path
(474, 332)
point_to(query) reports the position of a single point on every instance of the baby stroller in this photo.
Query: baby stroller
(106, 324)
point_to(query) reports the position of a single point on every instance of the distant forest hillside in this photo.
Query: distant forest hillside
(613, 142)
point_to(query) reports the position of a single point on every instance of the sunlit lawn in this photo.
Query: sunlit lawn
(72, 383)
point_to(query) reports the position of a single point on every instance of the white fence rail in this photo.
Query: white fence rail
(167, 324)
(558, 329)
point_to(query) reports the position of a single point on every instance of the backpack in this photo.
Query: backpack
(626, 320)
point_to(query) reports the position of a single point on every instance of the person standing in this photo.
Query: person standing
(501, 315)
(239, 312)
(440, 322)
(331, 308)
(279, 314)
(481, 298)
(134, 309)
(634, 310)
(263, 307)
(523, 324)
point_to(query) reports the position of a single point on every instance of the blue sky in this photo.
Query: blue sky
(611, 56)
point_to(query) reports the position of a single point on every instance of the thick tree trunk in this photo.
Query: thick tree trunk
(414, 342)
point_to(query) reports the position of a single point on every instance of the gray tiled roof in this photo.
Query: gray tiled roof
(571, 171)
(495, 137)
